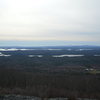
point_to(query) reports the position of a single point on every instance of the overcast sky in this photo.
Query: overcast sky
(60, 20)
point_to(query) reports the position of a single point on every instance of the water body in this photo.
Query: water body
(1, 54)
(14, 49)
(66, 55)
(35, 55)
(83, 49)
(51, 49)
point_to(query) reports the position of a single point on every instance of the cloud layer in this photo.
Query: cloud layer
(70, 20)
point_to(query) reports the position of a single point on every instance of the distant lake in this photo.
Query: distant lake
(66, 55)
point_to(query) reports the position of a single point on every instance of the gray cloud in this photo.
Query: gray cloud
(50, 20)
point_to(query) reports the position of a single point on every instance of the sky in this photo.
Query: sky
(49, 22)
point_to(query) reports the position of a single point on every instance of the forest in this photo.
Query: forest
(47, 72)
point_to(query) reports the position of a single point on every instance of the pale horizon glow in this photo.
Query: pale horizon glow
(53, 20)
